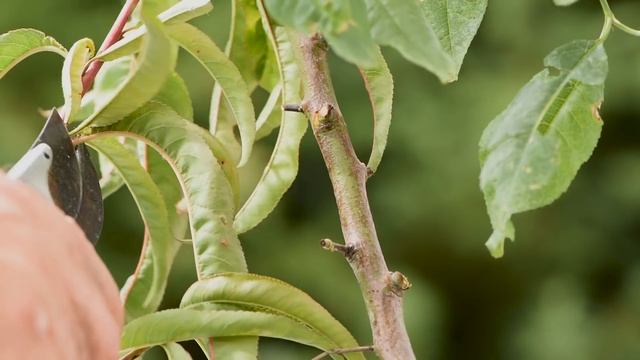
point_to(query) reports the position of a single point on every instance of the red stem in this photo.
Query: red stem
(113, 36)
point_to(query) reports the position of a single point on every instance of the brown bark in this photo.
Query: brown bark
(381, 289)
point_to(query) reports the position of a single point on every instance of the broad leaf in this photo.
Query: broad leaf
(265, 294)
(185, 324)
(227, 75)
(342, 22)
(17, 45)
(403, 25)
(282, 168)
(532, 151)
(153, 210)
(379, 84)
(132, 41)
(208, 194)
(72, 70)
(455, 23)
(154, 65)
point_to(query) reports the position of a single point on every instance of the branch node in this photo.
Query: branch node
(397, 283)
(293, 108)
(347, 250)
(370, 172)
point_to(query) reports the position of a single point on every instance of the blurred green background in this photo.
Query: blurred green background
(568, 288)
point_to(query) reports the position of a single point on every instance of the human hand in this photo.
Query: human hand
(57, 298)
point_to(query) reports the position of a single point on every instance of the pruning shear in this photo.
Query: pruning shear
(63, 174)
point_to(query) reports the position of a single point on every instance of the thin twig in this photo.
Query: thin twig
(292, 108)
(113, 36)
(346, 250)
(344, 351)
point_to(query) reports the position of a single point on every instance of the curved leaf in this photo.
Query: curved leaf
(224, 159)
(131, 43)
(72, 70)
(154, 66)
(265, 294)
(185, 324)
(455, 23)
(403, 25)
(17, 45)
(176, 352)
(145, 297)
(175, 94)
(379, 84)
(110, 180)
(532, 151)
(564, 2)
(342, 22)
(227, 75)
(271, 114)
(247, 45)
(208, 194)
(282, 168)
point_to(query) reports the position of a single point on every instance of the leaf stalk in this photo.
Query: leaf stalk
(611, 20)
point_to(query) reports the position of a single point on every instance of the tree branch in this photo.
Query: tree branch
(112, 37)
(380, 289)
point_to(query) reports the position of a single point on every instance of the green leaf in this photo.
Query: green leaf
(175, 94)
(224, 160)
(227, 75)
(269, 118)
(342, 22)
(222, 124)
(236, 348)
(72, 70)
(282, 168)
(176, 352)
(110, 180)
(17, 45)
(379, 84)
(564, 2)
(403, 25)
(532, 151)
(208, 194)
(455, 23)
(185, 324)
(147, 295)
(162, 175)
(154, 66)
(132, 41)
(247, 46)
(264, 294)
